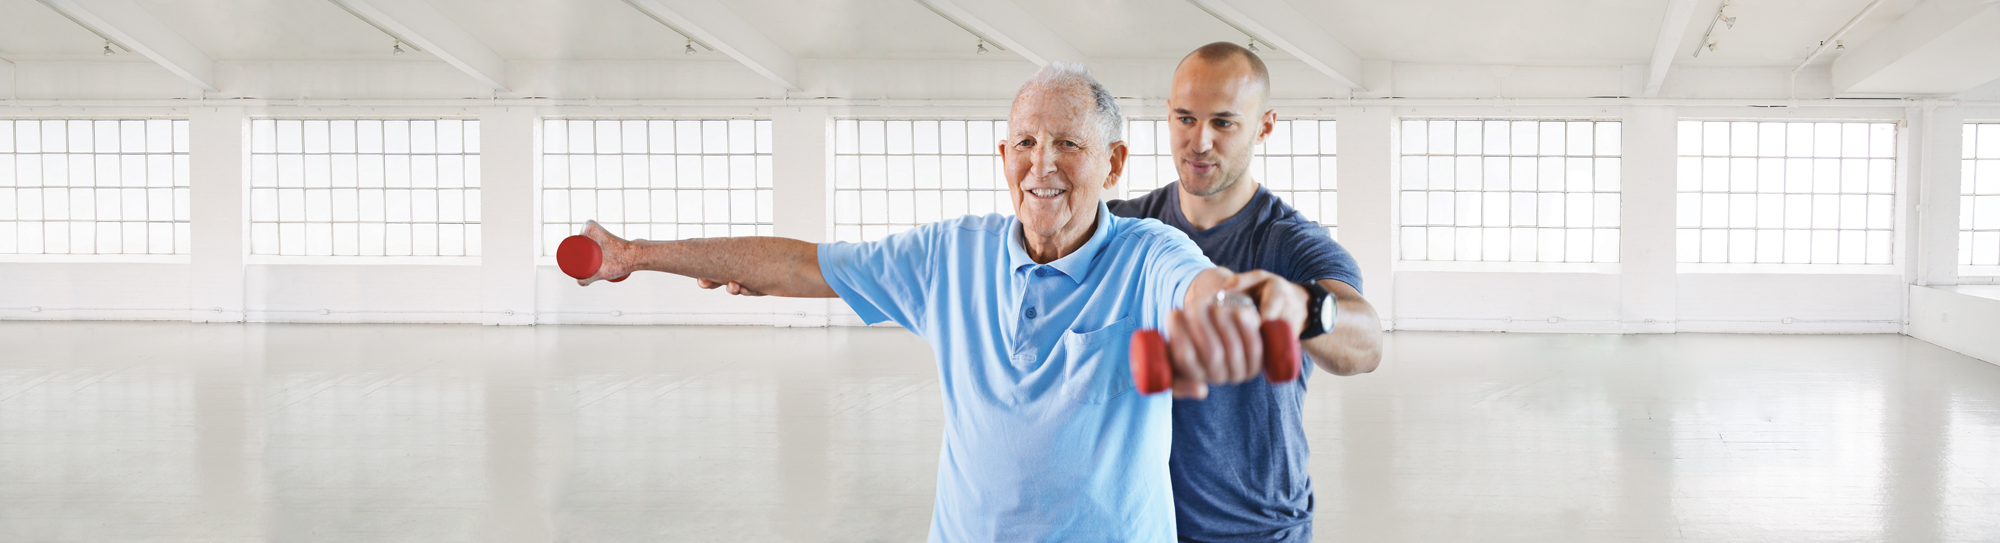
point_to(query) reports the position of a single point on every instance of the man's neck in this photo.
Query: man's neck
(1205, 212)
(1046, 249)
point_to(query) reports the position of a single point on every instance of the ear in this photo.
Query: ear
(1269, 123)
(1118, 153)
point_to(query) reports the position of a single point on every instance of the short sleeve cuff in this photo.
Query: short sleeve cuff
(831, 256)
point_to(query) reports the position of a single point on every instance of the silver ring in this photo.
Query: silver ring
(1225, 297)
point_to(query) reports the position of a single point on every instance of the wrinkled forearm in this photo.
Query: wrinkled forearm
(769, 265)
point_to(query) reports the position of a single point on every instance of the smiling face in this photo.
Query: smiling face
(1217, 117)
(1058, 165)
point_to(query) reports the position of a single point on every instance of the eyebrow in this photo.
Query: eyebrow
(1184, 111)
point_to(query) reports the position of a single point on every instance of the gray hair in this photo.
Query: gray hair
(1065, 74)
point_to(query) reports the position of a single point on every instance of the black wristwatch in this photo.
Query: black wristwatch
(1321, 312)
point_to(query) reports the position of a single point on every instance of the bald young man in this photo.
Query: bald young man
(1239, 456)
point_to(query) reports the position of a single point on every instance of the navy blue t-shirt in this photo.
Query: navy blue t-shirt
(1239, 456)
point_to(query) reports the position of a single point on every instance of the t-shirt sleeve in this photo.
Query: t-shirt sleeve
(1172, 261)
(1315, 255)
(883, 280)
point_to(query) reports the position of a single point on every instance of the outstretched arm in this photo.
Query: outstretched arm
(774, 266)
(1354, 345)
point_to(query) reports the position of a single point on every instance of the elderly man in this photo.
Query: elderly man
(1030, 317)
(1239, 455)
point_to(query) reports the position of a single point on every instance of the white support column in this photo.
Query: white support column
(217, 139)
(801, 189)
(1649, 275)
(1366, 154)
(1936, 150)
(507, 215)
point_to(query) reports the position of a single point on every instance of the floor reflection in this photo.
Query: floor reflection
(185, 432)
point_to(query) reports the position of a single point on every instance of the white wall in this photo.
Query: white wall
(1647, 292)
(1960, 318)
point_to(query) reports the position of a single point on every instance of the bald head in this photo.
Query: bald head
(1228, 61)
(1218, 111)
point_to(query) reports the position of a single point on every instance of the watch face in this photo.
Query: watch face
(1326, 316)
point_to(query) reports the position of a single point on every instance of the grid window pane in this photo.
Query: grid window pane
(655, 179)
(1786, 192)
(359, 187)
(1979, 200)
(1296, 163)
(71, 186)
(1520, 191)
(892, 175)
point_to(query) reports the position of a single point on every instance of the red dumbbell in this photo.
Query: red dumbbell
(580, 256)
(1153, 373)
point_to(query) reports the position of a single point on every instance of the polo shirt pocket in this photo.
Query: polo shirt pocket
(1096, 364)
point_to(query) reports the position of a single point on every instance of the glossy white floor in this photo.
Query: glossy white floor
(187, 432)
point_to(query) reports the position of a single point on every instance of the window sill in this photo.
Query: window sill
(1508, 267)
(94, 259)
(274, 260)
(1801, 269)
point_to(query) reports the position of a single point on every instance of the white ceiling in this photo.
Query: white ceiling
(30, 30)
(1522, 32)
(861, 29)
(270, 30)
(1782, 33)
(574, 29)
(1512, 32)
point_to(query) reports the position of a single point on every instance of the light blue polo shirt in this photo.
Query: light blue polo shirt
(1046, 438)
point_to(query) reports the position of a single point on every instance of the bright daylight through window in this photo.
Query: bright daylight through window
(656, 179)
(892, 175)
(1296, 163)
(1786, 192)
(364, 187)
(1510, 191)
(84, 187)
(1979, 201)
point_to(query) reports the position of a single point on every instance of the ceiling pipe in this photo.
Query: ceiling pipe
(1832, 40)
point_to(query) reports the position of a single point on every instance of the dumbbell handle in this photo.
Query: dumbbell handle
(1153, 372)
(580, 257)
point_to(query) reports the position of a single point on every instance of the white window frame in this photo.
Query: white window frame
(469, 203)
(854, 176)
(743, 158)
(1682, 179)
(1979, 181)
(1149, 163)
(1403, 183)
(177, 184)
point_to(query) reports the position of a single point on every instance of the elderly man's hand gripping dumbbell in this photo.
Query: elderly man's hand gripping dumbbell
(1247, 327)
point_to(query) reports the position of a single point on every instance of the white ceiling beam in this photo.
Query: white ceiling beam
(1011, 27)
(713, 25)
(129, 25)
(1939, 47)
(418, 23)
(1672, 30)
(1277, 23)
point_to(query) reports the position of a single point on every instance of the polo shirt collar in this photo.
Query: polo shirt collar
(1074, 265)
